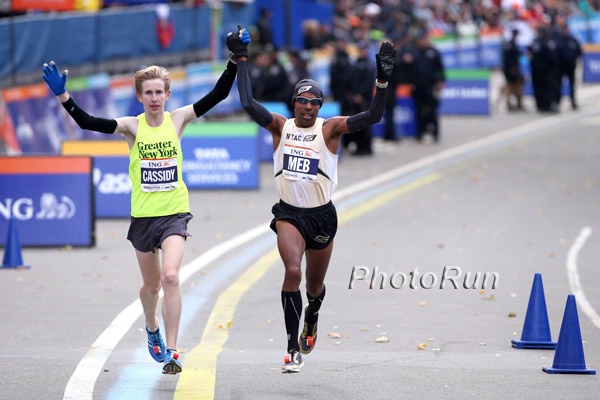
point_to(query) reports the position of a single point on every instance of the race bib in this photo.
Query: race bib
(158, 175)
(300, 163)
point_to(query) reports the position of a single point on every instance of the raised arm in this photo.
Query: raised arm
(385, 64)
(238, 45)
(58, 83)
(183, 116)
(219, 92)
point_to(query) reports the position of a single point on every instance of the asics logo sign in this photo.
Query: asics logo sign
(111, 183)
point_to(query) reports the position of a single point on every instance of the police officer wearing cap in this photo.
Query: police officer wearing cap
(427, 77)
(305, 172)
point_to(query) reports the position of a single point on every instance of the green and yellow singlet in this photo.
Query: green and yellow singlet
(155, 170)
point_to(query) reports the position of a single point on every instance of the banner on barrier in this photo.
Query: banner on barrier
(112, 186)
(591, 63)
(404, 115)
(220, 155)
(467, 92)
(51, 199)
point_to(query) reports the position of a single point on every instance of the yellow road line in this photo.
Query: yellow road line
(198, 379)
(378, 201)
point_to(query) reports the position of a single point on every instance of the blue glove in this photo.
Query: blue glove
(244, 35)
(238, 43)
(55, 80)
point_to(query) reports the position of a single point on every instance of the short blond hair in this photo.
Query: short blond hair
(152, 72)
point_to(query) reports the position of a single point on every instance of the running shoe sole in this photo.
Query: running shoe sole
(172, 366)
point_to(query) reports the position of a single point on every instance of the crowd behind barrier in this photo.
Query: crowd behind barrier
(29, 117)
(120, 39)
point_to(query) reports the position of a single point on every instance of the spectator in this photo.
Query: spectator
(398, 77)
(569, 52)
(340, 76)
(363, 72)
(269, 77)
(298, 69)
(511, 68)
(263, 30)
(427, 78)
(545, 70)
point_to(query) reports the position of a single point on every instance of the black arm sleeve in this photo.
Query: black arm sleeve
(372, 116)
(218, 93)
(86, 121)
(254, 109)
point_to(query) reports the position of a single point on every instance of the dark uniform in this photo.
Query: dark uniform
(398, 77)
(363, 73)
(545, 70)
(427, 79)
(340, 78)
(511, 68)
(569, 51)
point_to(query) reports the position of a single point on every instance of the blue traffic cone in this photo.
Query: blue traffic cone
(569, 358)
(12, 250)
(536, 329)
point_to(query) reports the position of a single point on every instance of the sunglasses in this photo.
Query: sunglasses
(315, 102)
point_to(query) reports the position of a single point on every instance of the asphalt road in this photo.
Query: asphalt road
(504, 196)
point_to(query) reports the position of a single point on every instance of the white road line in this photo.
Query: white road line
(573, 274)
(82, 382)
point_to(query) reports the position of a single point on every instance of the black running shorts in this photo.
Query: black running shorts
(317, 225)
(147, 233)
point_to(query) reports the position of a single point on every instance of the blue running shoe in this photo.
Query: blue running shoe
(292, 362)
(172, 365)
(156, 346)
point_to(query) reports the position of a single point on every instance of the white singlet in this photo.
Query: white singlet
(305, 169)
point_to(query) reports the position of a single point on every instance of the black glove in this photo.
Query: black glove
(237, 43)
(385, 61)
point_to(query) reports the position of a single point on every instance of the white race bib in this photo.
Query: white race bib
(158, 175)
(300, 163)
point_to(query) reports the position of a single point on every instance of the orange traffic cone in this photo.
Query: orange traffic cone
(569, 358)
(12, 250)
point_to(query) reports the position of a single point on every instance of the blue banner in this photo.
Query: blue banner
(405, 124)
(591, 64)
(220, 156)
(112, 194)
(50, 198)
(466, 92)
